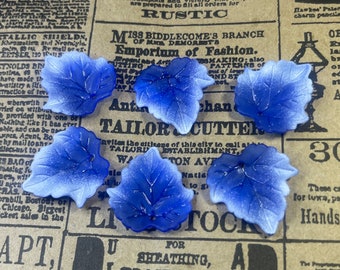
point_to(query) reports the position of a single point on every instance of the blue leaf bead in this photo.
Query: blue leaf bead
(172, 93)
(275, 96)
(151, 194)
(70, 166)
(253, 185)
(75, 83)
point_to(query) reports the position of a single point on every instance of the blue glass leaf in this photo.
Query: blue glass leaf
(75, 83)
(253, 184)
(172, 93)
(275, 96)
(151, 194)
(70, 166)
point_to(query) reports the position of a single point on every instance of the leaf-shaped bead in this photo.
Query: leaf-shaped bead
(70, 166)
(172, 93)
(275, 96)
(253, 185)
(75, 83)
(151, 194)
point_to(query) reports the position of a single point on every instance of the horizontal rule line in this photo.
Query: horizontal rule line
(217, 92)
(23, 96)
(301, 23)
(312, 139)
(30, 226)
(308, 241)
(21, 60)
(262, 240)
(44, 32)
(184, 25)
(16, 155)
(177, 238)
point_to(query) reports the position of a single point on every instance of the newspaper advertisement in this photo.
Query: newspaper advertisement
(224, 35)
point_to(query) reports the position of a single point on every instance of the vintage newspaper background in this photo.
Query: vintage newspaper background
(225, 36)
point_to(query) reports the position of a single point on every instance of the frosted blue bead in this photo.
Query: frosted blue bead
(151, 194)
(253, 185)
(70, 166)
(75, 83)
(275, 96)
(172, 93)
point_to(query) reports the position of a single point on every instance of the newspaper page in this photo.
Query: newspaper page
(224, 35)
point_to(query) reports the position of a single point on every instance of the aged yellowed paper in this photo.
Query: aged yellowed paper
(224, 35)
